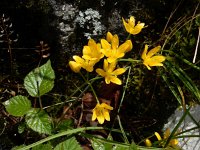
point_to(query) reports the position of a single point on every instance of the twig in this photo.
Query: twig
(197, 45)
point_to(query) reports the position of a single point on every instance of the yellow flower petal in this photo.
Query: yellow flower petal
(78, 59)
(109, 37)
(111, 66)
(101, 112)
(131, 27)
(153, 51)
(75, 66)
(137, 29)
(105, 65)
(94, 115)
(100, 118)
(91, 42)
(106, 115)
(111, 59)
(150, 60)
(147, 66)
(86, 50)
(101, 72)
(148, 143)
(174, 142)
(144, 54)
(155, 61)
(104, 105)
(131, 21)
(126, 25)
(158, 136)
(116, 80)
(122, 48)
(105, 44)
(166, 133)
(115, 42)
(107, 79)
(130, 45)
(119, 71)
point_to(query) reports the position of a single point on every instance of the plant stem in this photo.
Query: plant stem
(69, 132)
(122, 99)
(95, 95)
(130, 60)
(122, 130)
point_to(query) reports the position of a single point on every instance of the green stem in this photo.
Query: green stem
(124, 91)
(122, 130)
(59, 135)
(128, 37)
(95, 95)
(130, 60)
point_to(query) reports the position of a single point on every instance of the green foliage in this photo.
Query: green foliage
(18, 105)
(187, 81)
(38, 120)
(65, 125)
(43, 147)
(40, 81)
(21, 127)
(70, 144)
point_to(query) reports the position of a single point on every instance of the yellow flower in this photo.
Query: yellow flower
(101, 112)
(173, 142)
(76, 67)
(109, 73)
(92, 51)
(131, 27)
(158, 136)
(148, 143)
(149, 60)
(112, 49)
(81, 63)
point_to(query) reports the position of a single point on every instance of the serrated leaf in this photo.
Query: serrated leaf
(120, 148)
(70, 144)
(96, 145)
(18, 105)
(108, 145)
(40, 80)
(43, 147)
(38, 120)
(65, 125)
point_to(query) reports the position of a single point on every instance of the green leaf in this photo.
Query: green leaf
(38, 120)
(43, 147)
(18, 105)
(133, 146)
(18, 147)
(108, 146)
(96, 145)
(40, 80)
(172, 88)
(118, 147)
(70, 144)
(183, 77)
(65, 125)
(21, 127)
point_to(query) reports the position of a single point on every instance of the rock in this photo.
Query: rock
(188, 143)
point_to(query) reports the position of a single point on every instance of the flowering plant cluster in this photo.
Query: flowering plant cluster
(111, 51)
(162, 141)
